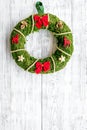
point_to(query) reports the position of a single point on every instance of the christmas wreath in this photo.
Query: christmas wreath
(34, 23)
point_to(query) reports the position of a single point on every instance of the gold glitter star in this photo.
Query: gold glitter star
(62, 58)
(59, 25)
(21, 58)
(23, 24)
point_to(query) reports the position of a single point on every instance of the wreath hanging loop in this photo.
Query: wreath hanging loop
(34, 23)
(40, 7)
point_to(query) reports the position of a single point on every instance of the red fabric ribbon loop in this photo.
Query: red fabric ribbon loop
(41, 21)
(39, 67)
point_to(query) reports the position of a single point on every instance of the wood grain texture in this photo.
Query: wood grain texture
(43, 102)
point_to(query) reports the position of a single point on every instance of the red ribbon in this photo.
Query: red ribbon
(41, 21)
(39, 67)
(66, 42)
(15, 39)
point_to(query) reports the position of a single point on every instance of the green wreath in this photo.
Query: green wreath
(34, 23)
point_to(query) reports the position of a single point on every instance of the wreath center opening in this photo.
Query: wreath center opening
(41, 44)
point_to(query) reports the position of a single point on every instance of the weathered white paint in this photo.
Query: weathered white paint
(43, 102)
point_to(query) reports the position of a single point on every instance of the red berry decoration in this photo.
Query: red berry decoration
(15, 39)
(66, 42)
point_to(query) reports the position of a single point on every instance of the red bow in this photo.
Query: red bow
(66, 42)
(45, 67)
(41, 20)
(15, 39)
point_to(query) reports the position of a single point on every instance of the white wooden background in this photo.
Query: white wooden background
(43, 102)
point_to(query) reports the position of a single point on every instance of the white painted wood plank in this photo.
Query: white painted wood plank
(56, 87)
(25, 88)
(4, 67)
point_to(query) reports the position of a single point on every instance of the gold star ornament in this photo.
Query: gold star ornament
(59, 25)
(21, 58)
(23, 24)
(62, 58)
